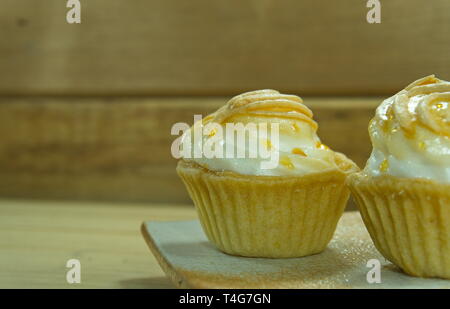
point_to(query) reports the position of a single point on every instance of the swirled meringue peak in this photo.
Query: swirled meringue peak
(296, 147)
(410, 132)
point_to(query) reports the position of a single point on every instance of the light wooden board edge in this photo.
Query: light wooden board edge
(178, 280)
(345, 270)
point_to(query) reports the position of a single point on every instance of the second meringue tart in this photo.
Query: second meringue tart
(404, 191)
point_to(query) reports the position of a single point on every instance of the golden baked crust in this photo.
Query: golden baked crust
(408, 220)
(267, 216)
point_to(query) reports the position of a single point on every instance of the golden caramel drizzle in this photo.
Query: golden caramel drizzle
(424, 103)
(285, 161)
(384, 166)
(212, 132)
(322, 146)
(265, 103)
(409, 133)
(268, 144)
(298, 151)
(295, 127)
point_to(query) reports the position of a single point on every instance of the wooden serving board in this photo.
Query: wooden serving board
(190, 261)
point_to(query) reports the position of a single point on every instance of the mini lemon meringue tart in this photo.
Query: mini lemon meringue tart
(287, 209)
(404, 191)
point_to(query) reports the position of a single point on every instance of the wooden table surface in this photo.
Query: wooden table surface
(37, 238)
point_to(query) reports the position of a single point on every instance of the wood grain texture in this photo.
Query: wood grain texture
(119, 148)
(37, 239)
(220, 47)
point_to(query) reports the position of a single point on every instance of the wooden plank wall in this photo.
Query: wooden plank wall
(86, 110)
(121, 148)
(218, 47)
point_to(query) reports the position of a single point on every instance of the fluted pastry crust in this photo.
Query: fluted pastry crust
(408, 220)
(267, 216)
